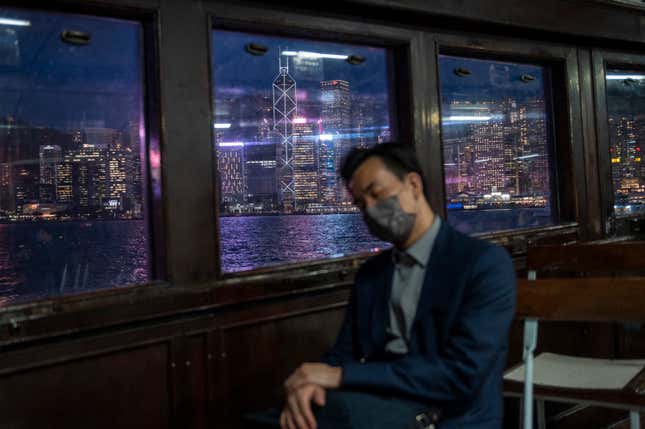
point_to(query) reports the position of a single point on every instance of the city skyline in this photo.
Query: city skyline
(294, 130)
(85, 173)
(626, 126)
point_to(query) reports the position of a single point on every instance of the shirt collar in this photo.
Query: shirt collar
(421, 249)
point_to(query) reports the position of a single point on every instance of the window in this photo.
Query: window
(625, 103)
(72, 155)
(286, 112)
(496, 144)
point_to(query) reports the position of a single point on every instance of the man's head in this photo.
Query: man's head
(387, 185)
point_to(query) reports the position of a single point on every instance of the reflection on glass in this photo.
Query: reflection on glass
(495, 144)
(625, 108)
(71, 150)
(283, 122)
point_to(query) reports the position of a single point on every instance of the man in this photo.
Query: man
(424, 339)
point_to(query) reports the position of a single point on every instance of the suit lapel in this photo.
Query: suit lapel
(435, 283)
(382, 284)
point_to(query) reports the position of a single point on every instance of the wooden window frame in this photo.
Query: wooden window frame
(194, 284)
(397, 42)
(574, 209)
(601, 60)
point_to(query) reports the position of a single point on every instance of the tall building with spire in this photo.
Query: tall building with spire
(285, 110)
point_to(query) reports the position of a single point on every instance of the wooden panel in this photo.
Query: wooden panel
(588, 299)
(125, 389)
(254, 360)
(570, 338)
(611, 257)
(196, 382)
(563, 17)
(189, 382)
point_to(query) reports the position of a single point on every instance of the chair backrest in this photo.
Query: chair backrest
(604, 299)
(588, 257)
(599, 299)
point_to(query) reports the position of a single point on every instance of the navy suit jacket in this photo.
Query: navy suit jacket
(459, 336)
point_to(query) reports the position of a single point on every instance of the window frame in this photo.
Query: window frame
(573, 209)
(193, 283)
(601, 61)
(400, 44)
(152, 182)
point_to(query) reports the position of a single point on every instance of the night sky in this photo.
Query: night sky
(235, 69)
(489, 80)
(47, 82)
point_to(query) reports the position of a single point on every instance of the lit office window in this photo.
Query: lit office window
(286, 113)
(72, 200)
(496, 144)
(625, 103)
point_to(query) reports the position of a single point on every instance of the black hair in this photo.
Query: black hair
(399, 158)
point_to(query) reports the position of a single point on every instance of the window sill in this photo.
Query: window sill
(159, 301)
(162, 301)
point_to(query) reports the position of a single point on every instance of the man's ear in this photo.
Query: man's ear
(417, 184)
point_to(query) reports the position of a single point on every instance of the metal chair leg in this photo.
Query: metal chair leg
(541, 415)
(634, 420)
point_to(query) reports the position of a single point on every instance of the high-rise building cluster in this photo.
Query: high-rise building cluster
(86, 171)
(281, 152)
(496, 154)
(628, 170)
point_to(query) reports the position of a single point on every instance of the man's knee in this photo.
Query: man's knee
(335, 413)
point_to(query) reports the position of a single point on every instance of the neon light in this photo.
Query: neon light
(231, 144)
(300, 120)
(222, 126)
(17, 22)
(315, 55)
(469, 118)
(326, 137)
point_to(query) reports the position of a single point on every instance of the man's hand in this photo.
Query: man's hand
(320, 374)
(297, 412)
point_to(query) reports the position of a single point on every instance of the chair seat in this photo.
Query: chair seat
(608, 382)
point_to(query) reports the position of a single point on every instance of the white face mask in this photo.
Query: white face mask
(387, 220)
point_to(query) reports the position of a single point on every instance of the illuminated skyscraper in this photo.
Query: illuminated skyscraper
(134, 183)
(304, 163)
(327, 178)
(119, 158)
(50, 156)
(11, 133)
(488, 141)
(260, 175)
(25, 184)
(88, 179)
(628, 183)
(64, 182)
(336, 122)
(230, 164)
(285, 110)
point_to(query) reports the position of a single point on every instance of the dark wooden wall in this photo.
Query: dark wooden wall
(198, 350)
(201, 371)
